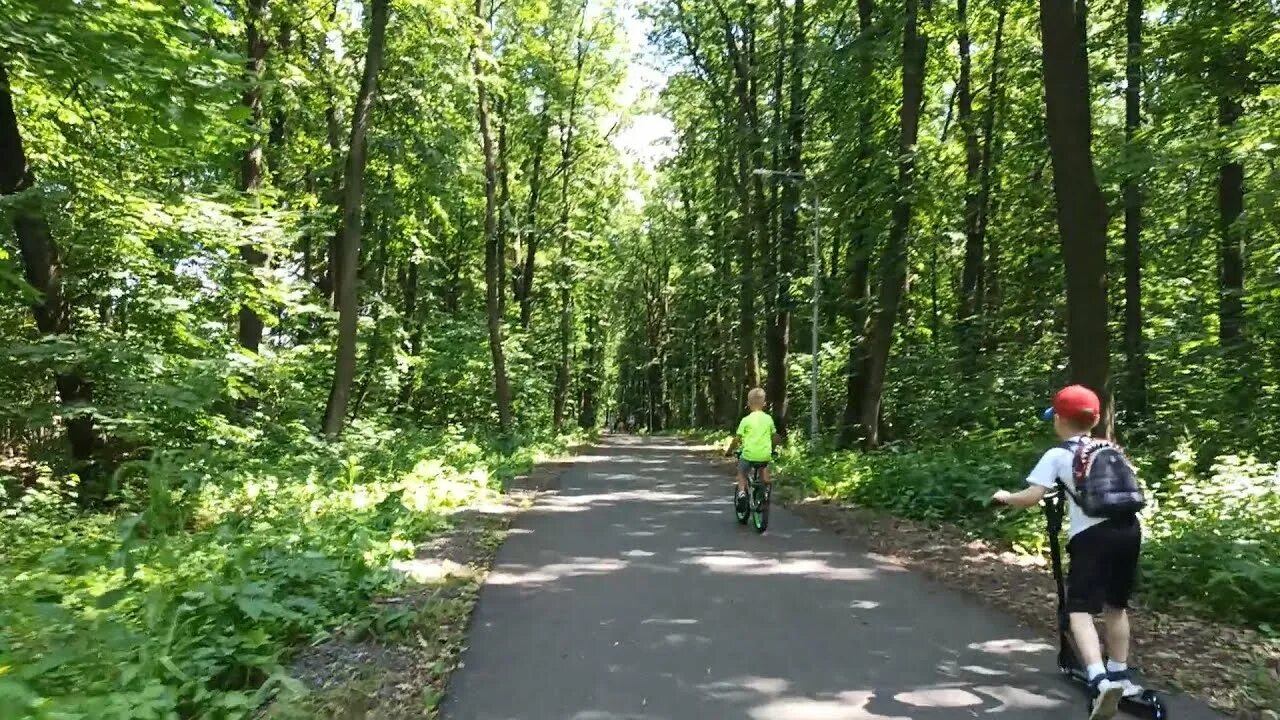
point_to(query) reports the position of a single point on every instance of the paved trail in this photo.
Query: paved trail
(633, 595)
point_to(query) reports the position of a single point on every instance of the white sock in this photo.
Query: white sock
(1096, 669)
(1113, 666)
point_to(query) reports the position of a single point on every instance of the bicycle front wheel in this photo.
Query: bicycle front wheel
(760, 509)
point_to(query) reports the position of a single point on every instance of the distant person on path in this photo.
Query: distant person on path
(1103, 545)
(631, 423)
(757, 437)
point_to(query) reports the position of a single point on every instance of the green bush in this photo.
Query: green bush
(1212, 540)
(187, 601)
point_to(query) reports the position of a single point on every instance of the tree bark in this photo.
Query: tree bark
(504, 204)
(251, 165)
(893, 262)
(1135, 348)
(1231, 237)
(333, 134)
(970, 303)
(781, 335)
(565, 367)
(589, 409)
(1081, 210)
(42, 268)
(858, 264)
(352, 199)
(524, 278)
(989, 281)
(751, 194)
(492, 258)
(774, 279)
(409, 288)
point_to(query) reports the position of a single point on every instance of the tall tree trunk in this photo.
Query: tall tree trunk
(42, 268)
(333, 134)
(565, 367)
(726, 409)
(352, 199)
(790, 219)
(747, 281)
(1231, 237)
(774, 280)
(1135, 348)
(893, 263)
(504, 203)
(492, 258)
(251, 165)
(858, 265)
(1081, 210)
(524, 278)
(751, 195)
(970, 303)
(588, 415)
(279, 117)
(989, 281)
(376, 270)
(409, 288)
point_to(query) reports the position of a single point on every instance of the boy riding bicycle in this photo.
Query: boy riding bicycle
(757, 437)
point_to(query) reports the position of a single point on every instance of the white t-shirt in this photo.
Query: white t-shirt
(1055, 465)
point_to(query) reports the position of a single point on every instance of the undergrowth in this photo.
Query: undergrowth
(188, 598)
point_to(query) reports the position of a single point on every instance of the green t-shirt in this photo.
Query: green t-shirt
(756, 431)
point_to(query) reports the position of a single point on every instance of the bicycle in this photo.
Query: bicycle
(759, 493)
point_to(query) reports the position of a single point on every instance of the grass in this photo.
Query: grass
(191, 597)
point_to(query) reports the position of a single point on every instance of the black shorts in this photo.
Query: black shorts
(1104, 565)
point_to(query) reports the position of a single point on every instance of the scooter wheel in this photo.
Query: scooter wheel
(1152, 701)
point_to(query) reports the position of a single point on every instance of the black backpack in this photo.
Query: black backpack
(1106, 485)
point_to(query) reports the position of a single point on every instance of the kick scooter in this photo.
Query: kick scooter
(1148, 703)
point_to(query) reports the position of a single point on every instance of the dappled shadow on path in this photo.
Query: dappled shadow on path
(632, 593)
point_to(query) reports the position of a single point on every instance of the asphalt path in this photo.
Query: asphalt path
(631, 594)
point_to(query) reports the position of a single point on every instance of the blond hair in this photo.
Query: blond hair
(756, 396)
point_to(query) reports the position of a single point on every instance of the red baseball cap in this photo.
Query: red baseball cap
(1075, 402)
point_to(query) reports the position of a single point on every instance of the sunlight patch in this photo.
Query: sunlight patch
(1010, 646)
(746, 565)
(938, 698)
(1012, 698)
(848, 706)
(556, 571)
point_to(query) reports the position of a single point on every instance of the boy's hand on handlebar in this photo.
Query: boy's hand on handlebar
(1001, 496)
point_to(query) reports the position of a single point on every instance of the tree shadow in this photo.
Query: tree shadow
(635, 594)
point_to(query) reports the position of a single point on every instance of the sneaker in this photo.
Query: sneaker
(1124, 678)
(740, 501)
(1104, 698)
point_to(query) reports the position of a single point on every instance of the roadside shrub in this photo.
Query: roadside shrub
(1212, 539)
(188, 600)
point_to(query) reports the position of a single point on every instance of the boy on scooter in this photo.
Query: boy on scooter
(1104, 553)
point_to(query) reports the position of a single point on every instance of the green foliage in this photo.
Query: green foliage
(189, 599)
(1211, 539)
